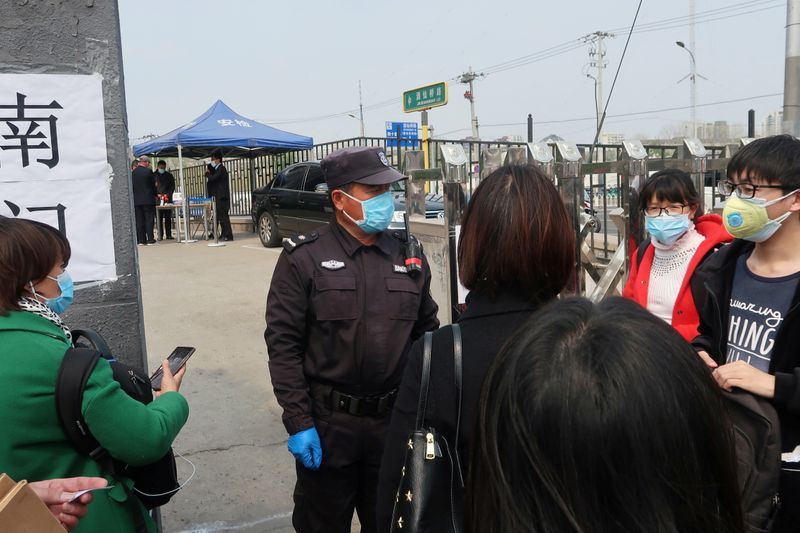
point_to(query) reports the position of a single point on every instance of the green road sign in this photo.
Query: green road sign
(423, 98)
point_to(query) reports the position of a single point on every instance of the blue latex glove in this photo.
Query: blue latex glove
(306, 448)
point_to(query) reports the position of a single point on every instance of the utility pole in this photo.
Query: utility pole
(360, 108)
(597, 53)
(468, 78)
(791, 82)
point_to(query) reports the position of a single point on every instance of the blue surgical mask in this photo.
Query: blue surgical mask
(377, 211)
(161, 170)
(60, 303)
(667, 229)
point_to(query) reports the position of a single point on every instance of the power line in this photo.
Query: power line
(711, 15)
(636, 113)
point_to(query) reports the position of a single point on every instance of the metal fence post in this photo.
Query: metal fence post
(541, 155)
(570, 184)
(455, 174)
(216, 243)
(696, 153)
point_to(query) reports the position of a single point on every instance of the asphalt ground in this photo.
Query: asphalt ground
(214, 299)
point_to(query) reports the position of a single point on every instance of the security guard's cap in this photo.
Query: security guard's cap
(360, 164)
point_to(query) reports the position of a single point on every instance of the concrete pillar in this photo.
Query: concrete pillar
(83, 37)
(791, 76)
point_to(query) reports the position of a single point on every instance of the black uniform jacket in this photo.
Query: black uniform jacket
(165, 184)
(486, 325)
(718, 272)
(218, 186)
(144, 186)
(342, 314)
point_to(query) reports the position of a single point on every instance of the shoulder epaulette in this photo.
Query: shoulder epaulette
(399, 234)
(291, 244)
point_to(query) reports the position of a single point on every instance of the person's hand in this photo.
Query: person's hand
(56, 494)
(707, 359)
(746, 377)
(306, 448)
(170, 382)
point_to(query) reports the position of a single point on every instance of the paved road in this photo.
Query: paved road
(213, 299)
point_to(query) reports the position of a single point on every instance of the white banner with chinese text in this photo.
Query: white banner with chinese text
(53, 163)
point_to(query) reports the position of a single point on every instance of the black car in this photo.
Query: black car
(297, 201)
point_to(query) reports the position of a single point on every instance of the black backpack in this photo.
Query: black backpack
(155, 483)
(758, 455)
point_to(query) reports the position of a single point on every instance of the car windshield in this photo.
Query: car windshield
(398, 186)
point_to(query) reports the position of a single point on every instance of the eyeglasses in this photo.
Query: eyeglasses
(743, 190)
(670, 210)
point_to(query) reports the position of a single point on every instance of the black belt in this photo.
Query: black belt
(370, 405)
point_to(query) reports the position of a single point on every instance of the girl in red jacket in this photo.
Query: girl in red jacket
(680, 238)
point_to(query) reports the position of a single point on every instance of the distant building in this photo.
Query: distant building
(611, 138)
(772, 124)
(552, 138)
(511, 139)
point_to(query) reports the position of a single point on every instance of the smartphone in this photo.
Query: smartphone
(176, 359)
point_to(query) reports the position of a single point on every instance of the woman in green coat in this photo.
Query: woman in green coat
(34, 288)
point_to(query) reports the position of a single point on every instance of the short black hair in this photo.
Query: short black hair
(28, 252)
(671, 185)
(516, 233)
(161, 162)
(586, 393)
(774, 159)
(216, 154)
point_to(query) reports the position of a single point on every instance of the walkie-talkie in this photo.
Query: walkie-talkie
(413, 250)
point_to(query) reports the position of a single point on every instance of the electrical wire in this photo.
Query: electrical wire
(622, 115)
(711, 15)
(614, 83)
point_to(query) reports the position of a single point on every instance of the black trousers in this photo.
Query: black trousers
(324, 499)
(165, 216)
(223, 206)
(145, 218)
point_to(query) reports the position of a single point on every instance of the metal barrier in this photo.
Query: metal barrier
(602, 194)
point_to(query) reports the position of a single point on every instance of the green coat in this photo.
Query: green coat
(33, 445)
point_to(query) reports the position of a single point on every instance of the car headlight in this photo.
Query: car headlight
(397, 216)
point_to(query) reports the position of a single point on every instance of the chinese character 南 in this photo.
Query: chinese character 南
(59, 209)
(27, 132)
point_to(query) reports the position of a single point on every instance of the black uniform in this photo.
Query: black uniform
(165, 184)
(219, 188)
(144, 202)
(341, 317)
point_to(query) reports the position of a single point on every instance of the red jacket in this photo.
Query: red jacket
(685, 317)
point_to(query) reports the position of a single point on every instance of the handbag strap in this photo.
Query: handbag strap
(458, 378)
(425, 380)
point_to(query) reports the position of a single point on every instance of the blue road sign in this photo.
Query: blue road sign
(409, 134)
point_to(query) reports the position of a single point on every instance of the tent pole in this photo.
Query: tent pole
(186, 239)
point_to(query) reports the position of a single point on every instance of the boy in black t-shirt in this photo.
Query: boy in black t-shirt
(750, 323)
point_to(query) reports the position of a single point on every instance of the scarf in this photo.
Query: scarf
(36, 307)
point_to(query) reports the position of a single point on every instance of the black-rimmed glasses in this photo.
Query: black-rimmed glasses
(671, 210)
(745, 190)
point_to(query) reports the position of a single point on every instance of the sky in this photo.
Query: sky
(297, 65)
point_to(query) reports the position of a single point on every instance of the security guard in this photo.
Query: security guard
(342, 312)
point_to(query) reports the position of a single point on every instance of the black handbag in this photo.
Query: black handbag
(431, 493)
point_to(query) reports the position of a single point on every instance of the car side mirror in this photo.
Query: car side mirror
(322, 187)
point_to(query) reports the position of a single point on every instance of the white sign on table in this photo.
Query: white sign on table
(54, 166)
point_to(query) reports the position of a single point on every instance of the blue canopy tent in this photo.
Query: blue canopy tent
(222, 128)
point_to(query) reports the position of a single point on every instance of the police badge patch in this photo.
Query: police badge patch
(382, 157)
(332, 265)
